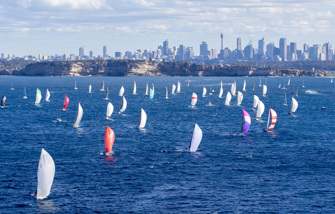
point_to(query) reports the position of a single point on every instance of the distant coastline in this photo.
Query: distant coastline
(152, 68)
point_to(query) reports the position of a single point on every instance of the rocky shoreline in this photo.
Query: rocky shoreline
(151, 68)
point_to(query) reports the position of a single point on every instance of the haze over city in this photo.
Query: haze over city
(62, 26)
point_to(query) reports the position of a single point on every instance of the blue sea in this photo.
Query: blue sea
(289, 170)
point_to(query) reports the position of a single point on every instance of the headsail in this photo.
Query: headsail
(110, 109)
(123, 105)
(246, 121)
(109, 139)
(38, 96)
(294, 105)
(121, 92)
(143, 119)
(151, 93)
(66, 102)
(273, 115)
(80, 113)
(194, 99)
(228, 98)
(45, 175)
(196, 139)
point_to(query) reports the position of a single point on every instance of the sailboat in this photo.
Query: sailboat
(80, 113)
(260, 110)
(110, 109)
(279, 86)
(303, 84)
(66, 103)
(38, 97)
(265, 89)
(294, 106)
(296, 94)
(253, 88)
(75, 85)
(285, 101)
(196, 139)
(3, 101)
(134, 90)
(146, 89)
(167, 94)
(255, 102)
(188, 82)
(89, 89)
(233, 92)
(45, 175)
(153, 88)
(221, 91)
(173, 88)
(121, 92)
(244, 85)
(204, 91)
(123, 105)
(228, 98)
(25, 93)
(47, 96)
(12, 88)
(210, 91)
(194, 99)
(143, 119)
(109, 140)
(178, 87)
(246, 121)
(106, 97)
(102, 88)
(260, 83)
(151, 93)
(331, 81)
(273, 116)
(239, 98)
(289, 81)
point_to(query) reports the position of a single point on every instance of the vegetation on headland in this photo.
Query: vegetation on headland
(152, 68)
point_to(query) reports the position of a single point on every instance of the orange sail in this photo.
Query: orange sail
(109, 139)
(66, 102)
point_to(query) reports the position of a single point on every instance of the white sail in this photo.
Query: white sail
(289, 81)
(146, 89)
(331, 81)
(260, 109)
(279, 85)
(38, 97)
(75, 85)
(204, 91)
(80, 113)
(234, 89)
(178, 87)
(143, 119)
(239, 98)
(25, 93)
(194, 99)
(153, 88)
(47, 96)
(134, 90)
(89, 89)
(196, 139)
(285, 101)
(110, 109)
(102, 88)
(123, 105)
(45, 175)
(265, 89)
(294, 105)
(255, 102)
(260, 82)
(173, 88)
(228, 98)
(244, 85)
(221, 92)
(167, 94)
(121, 91)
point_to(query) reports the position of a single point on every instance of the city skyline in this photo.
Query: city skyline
(57, 27)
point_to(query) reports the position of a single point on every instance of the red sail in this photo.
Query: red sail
(66, 102)
(109, 139)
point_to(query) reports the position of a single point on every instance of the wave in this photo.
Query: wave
(311, 92)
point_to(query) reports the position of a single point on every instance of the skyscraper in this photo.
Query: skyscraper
(165, 50)
(270, 50)
(283, 49)
(261, 47)
(248, 52)
(239, 44)
(181, 53)
(81, 52)
(91, 54)
(293, 51)
(104, 51)
(329, 51)
(204, 49)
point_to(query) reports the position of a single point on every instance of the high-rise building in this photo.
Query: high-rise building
(165, 50)
(204, 49)
(91, 54)
(293, 51)
(104, 51)
(189, 53)
(329, 51)
(261, 47)
(81, 52)
(316, 50)
(118, 54)
(213, 53)
(239, 44)
(248, 52)
(305, 47)
(181, 53)
(283, 49)
(270, 50)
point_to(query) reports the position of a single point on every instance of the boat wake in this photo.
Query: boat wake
(311, 92)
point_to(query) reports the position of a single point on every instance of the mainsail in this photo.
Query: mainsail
(294, 105)
(3, 101)
(134, 90)
(178, 87)
(80, 113)
(260, 109)
(228, 98)
(38, 96)
(45, 175)
(143, 119)
(173, 88)
(255, 102)
(110, 109)
(123, 105)
(194, 99)
(47, 96)
(102, 88)
(239, 98)
(204, 91)
(196, 139)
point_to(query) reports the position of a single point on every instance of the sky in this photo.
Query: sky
(33, 27)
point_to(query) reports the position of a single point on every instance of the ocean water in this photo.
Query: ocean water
(289, 170)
